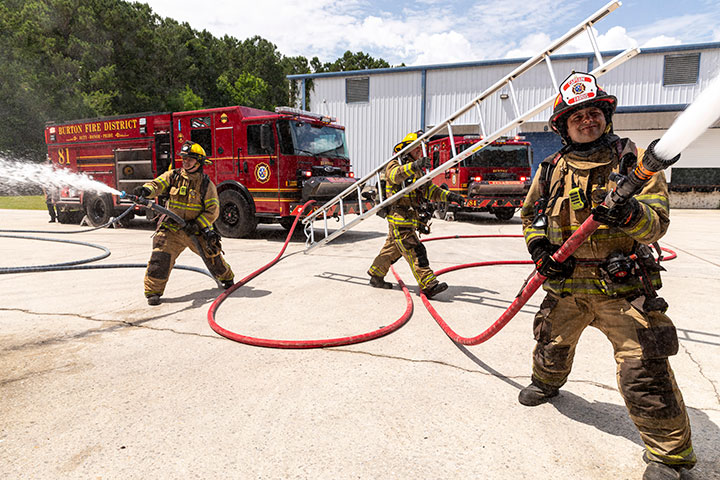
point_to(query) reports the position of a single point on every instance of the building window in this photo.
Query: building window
(357, 90)
(681, 69)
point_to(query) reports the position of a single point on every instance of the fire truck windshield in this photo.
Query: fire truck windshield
(303, 138)
(505, 156)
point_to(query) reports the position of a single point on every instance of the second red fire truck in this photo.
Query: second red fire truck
(494, 179)
(265, 164)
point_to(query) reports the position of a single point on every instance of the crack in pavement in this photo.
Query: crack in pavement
(702, 373)
(118, 325)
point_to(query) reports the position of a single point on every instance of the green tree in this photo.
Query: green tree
(349, 62)
(247, 90)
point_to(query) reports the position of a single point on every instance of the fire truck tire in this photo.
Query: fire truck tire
(236, 219)
(69, 216)
(99, 209)
(504, 213)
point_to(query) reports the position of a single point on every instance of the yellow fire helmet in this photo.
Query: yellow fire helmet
(409, 138)
(196, 151)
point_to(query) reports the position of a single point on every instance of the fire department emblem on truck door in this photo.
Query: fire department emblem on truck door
(262, 172)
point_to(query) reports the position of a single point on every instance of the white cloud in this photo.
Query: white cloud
(420, 33)
(530, 46)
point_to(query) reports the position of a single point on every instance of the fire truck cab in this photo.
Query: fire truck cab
(265, 164)
(494, 179)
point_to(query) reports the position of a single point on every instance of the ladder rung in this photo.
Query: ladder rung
(447, 123)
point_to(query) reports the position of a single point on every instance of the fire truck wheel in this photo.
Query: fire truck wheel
(504, 213)
(236, 219)
(99, 209)
(69, 216)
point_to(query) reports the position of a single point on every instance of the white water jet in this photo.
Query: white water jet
(692, 122)
(16, 174)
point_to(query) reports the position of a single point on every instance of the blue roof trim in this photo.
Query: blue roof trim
(481, 63)
(677, 107)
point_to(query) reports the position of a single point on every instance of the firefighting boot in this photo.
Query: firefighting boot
(153, 300)
(379, 282)
(659, 471)
(537, 394)
(433, 290)
(227, 283)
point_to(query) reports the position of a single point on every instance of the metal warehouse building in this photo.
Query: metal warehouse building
(378, 107)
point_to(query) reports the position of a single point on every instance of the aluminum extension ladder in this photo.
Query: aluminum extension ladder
(356, 190)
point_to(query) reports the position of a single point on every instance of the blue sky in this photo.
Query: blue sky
(429, 32)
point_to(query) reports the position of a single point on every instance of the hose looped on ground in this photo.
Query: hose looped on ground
(302, 344)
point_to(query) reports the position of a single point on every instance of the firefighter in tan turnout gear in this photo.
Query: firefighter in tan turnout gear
(611, 280)
(194, 198)
(408, 215)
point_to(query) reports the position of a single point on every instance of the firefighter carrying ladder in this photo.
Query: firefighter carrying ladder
(356, 189)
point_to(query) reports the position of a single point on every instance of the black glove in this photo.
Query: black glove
(622, 215)
(143, 192)
(192, 227)
(541, 251)
(420, 163)
(456, 198)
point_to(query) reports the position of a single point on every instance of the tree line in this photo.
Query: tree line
(70, 59)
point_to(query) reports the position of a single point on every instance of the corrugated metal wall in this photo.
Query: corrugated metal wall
(396, 98)
(373, 128)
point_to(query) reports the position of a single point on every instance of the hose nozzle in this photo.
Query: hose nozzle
(651, 163)
(646, 167)
(134, 198)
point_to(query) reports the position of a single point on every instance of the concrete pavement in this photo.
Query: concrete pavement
(95, 384)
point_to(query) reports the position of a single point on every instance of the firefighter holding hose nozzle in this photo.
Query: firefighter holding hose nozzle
(407, 216)
(610, 282)
(193, 198)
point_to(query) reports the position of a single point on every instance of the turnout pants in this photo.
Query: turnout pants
(642, 342)
(404, 242)
(167, 245)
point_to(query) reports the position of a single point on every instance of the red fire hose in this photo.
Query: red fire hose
(577, 238)
(330, 342)
(567, 249)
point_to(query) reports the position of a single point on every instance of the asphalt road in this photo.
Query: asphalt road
(96, 384)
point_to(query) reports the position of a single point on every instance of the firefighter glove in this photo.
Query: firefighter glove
(541, 251)
(192, 227)
(212, 240)
(420, 163)
(142, 192)
(456, 198)
(623, 215)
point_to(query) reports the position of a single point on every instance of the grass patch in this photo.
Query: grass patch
(30, 202)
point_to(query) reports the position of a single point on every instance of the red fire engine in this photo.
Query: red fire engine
(494, 179)
(265, 164)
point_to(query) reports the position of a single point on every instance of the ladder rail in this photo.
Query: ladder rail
(473, 148)
(527, 65)
(585, 26)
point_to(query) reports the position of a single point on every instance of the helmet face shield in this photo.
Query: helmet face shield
(196, 151)
(409, 138)
(578, 91)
